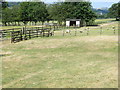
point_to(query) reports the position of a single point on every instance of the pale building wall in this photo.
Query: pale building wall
(67, 23)
(78, 23)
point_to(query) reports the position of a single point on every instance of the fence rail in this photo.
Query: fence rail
(20, 34)
(16, 36)
(28, 33)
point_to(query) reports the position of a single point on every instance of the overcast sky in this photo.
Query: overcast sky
(95, 3)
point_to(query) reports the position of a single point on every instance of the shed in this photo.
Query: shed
(73, 22)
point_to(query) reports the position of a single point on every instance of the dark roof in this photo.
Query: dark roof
(73, 19)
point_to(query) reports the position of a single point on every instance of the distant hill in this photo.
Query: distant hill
(100, 11)
(10, 4)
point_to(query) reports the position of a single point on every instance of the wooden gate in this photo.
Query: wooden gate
(28, 33)
(16, 36)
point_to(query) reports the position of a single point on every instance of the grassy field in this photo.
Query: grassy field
(63, 61)
(28, 25)
(11, 27)
(97, 21)
(100, 21)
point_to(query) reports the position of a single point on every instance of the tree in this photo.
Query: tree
(55, 11)
(76, 10)
(4, 5)
(4, 13)
(24, 13)
(114, 11)
(39, 12)
(6, 16)
(33, 12)
(10, 15)
(15, 14)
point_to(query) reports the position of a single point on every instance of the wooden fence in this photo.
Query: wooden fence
(16, 36)
(20, 34)
(28, 33)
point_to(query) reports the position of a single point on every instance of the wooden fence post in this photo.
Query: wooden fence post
(12, 37)
(37, 31)
(113, 29)
(43, 32)
(48, 32)
(29, 34)
(75, 32)
(69, 32)
(21, 35)
(54, 27)
(23, 30)
(87, 31)
(25, 34)
(53, 34)
(13, 30)
(50, 26)
(63, 33)
(100, 30)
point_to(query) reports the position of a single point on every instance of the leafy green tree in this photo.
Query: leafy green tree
(6, 16)
(4, 13)
(33, 12)
(15, 14)
(114, 11)
(74, 10)
(60, 11)
(4, 5)
(24, 13)
(38, 12)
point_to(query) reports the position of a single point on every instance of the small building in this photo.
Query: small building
(73, 22)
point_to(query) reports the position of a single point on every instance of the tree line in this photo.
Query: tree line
(24, 12)
(40, 12)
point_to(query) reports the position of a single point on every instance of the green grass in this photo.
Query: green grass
(100, 21)
(107, 29)
(97, 21)
(28, 25)
(11, 27)
(63, 61)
